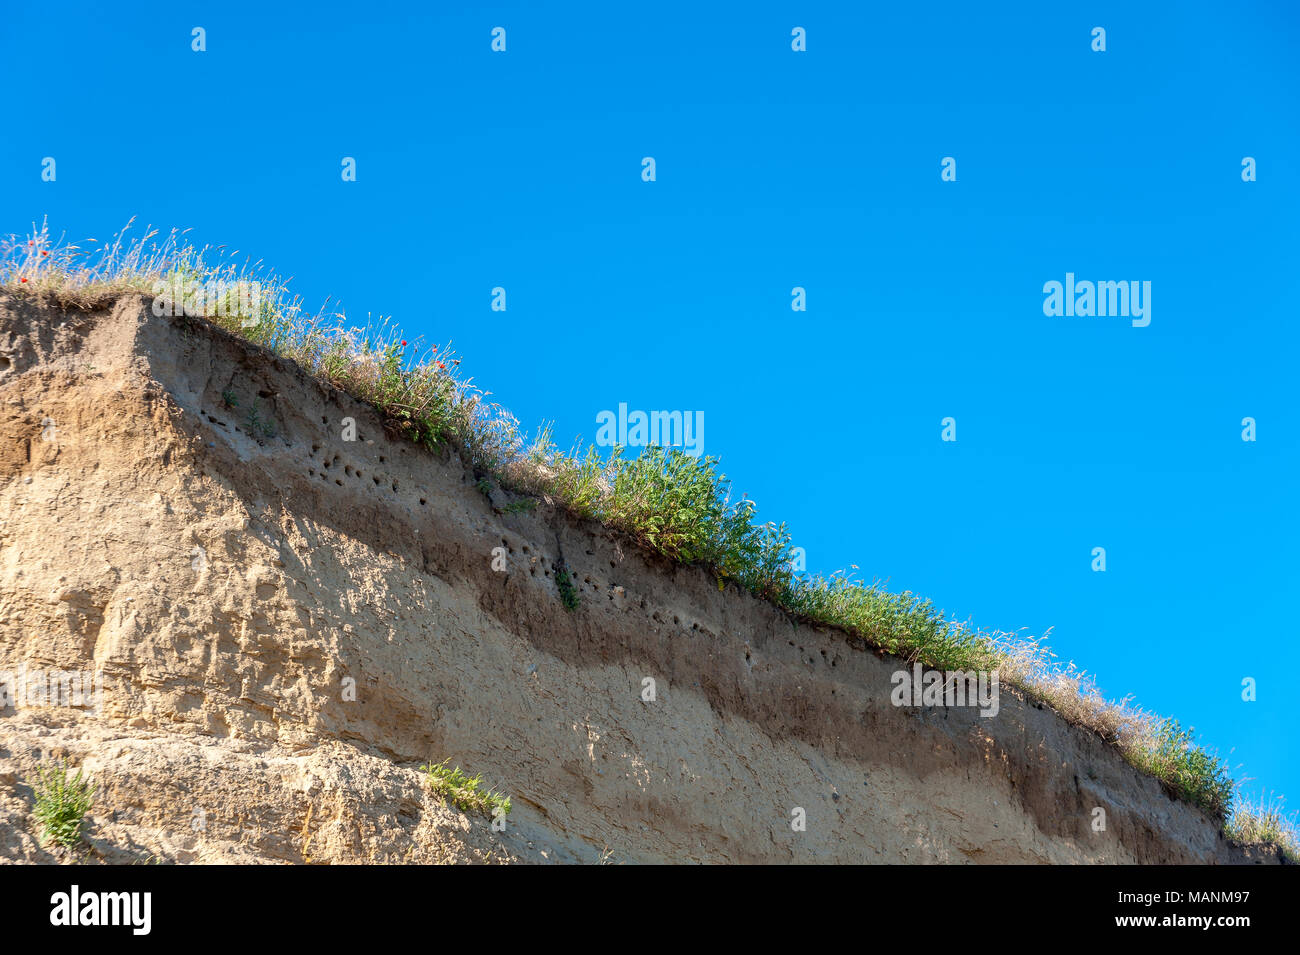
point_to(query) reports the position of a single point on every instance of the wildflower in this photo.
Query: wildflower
(403, 342)
(22, 280)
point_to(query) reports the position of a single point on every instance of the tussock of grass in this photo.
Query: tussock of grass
(62, 803)
(1266, 823)
(463, 791)
(677, 505)
(1191, 772)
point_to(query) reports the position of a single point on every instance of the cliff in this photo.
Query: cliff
(286, 624)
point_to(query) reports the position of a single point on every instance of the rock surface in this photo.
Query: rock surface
(288, 624)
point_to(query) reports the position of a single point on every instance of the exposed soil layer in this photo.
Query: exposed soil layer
(288, 623)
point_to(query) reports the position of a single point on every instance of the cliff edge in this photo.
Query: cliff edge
(283, 624)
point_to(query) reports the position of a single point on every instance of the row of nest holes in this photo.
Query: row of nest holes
(212, 419)
(328, 463)
(585, 583)
(833, 661)
(677, 621)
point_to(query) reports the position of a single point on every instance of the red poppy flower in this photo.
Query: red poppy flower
(403, 342)
(43, 252)
(22, 280)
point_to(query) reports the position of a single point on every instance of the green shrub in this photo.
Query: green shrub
(258, 426)
(463, 791)
(62, 803)
(568, 593)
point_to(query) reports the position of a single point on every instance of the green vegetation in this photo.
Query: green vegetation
(677, 505)
(1189, 771)
(61, 803)
(1265, 823)
(258, 426)
(464, 791)
(568, 594)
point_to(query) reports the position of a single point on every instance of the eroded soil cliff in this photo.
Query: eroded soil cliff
(288, 624)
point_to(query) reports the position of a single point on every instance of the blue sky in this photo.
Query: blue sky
(778, 169)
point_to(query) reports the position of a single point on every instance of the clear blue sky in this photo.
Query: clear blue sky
(778, 169)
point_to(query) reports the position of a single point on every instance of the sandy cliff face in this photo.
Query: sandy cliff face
(287, 624)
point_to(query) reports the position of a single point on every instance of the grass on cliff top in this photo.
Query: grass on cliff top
(677, 505)
(1265, 822)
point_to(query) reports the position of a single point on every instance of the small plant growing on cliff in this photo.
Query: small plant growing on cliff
(258, 426)
(463, 791)
(568, 593)
(228, 399)
(521, 504)
(62, 803)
